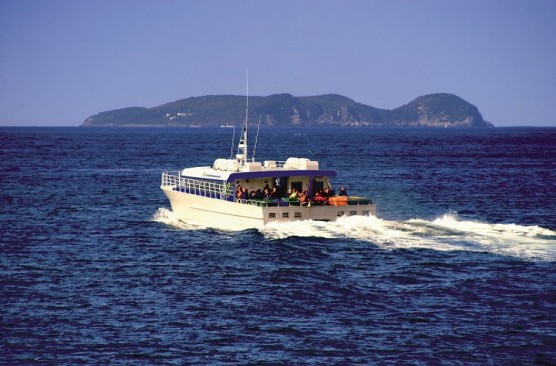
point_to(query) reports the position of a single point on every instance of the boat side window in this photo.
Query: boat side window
(297, 185)
(317, 186)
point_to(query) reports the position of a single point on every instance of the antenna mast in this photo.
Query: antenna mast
(256, 138)
(233, 142)
(242, 147)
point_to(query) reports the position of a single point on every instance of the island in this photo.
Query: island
(440, 110)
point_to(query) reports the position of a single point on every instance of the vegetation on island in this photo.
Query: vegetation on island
(282, 110)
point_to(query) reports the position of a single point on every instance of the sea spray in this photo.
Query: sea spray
(166, 216)
(443, 234)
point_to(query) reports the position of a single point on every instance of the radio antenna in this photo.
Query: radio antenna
(256, 138)
(233, 142)
(242, 146)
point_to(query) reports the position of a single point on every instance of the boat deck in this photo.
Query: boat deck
(172, 180)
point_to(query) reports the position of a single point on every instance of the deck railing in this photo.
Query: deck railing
(352, 201)
(194, 186)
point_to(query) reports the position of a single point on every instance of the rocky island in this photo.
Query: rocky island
(283, 110)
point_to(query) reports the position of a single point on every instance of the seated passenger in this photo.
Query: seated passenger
(267, 194)
(274, 193)
(330, 192)
(304, 199)
(320, 198)
(294, 195)
(342, 192)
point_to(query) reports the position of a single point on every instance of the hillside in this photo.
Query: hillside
(281, 110)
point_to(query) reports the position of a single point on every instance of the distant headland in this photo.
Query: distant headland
(282, 110)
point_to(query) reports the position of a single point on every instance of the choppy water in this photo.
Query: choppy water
(459, 267)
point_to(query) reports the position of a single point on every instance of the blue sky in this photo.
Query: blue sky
(62, 61)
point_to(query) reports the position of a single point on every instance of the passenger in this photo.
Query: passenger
(274, 193)
(294, 195)
(342, 192)
(244, 194)
(267, 194)
(304, 199)
(320, 198)
(330, 192)
(259, 194)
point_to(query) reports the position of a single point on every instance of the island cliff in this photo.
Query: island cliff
(281, 110)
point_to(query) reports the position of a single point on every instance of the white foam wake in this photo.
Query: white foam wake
(445, 233)
(167, 217)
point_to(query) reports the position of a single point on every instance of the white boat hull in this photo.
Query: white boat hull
(226, 215)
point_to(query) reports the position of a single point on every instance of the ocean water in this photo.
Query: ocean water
(458, 267)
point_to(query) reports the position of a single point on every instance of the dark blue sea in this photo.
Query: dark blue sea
(458, 267)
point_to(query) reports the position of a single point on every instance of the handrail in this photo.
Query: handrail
(355, 201)
(194, 186)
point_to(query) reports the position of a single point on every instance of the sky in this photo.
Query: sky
(62, 61)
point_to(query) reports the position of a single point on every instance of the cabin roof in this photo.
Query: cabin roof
(208, 173)
(280, 174)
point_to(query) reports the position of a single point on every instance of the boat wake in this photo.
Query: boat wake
(446, 233)
(167, 217)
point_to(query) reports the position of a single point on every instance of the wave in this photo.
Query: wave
(167, 217)
(446, 233)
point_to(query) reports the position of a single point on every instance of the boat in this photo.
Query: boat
(229, 194)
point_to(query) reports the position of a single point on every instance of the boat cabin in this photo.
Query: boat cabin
(300, 174)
